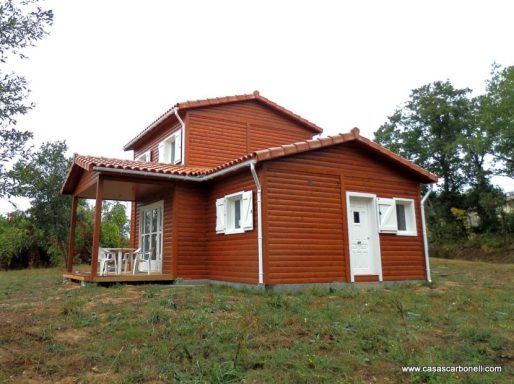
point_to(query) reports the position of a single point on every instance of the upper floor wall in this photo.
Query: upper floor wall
(222, 133)
(217, 132)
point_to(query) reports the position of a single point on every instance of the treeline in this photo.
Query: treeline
(465, 140)
(39, 236)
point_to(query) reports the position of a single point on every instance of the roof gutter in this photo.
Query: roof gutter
(163, 176)
(425, 240)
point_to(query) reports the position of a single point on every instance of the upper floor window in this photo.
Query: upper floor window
(144, 156)
(170, 149)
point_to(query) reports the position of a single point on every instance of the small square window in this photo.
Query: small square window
(234, 213)
(405, 217)
(356, 217)
(170, 149)
(167, 150)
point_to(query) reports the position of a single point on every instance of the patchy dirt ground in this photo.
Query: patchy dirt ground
(52, 332)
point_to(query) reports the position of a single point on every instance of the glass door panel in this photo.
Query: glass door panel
(151, 235)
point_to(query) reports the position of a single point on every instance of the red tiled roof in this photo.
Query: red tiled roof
(184, 106)
(90, 162)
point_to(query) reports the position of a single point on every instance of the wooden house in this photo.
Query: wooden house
(239, 190)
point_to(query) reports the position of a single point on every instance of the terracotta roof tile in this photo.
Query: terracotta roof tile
(289, 149)
(183, 106)
(90, 162)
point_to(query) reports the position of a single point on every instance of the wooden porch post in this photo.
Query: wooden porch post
(71, 241)
(133, 224)
(98, 223)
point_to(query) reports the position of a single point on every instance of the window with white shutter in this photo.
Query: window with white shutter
(406, 217)
(234, 213)
(170, 149)
(387, 221)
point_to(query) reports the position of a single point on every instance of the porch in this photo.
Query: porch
(78, 276)
(146, 230)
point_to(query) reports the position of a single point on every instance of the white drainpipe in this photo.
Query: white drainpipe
(425, 240)
(259, 221)
(183, 136)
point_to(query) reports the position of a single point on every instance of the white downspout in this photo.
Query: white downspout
(259, 221)
(425, 240)
(183, 136)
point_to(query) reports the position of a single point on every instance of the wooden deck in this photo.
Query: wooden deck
(123, 278)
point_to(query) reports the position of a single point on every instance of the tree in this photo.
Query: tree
(39, 177)
(113, 232)
(22, 24)
(428, 131)
(497, 117)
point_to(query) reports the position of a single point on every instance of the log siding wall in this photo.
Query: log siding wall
(201, 252)
(304, 212)
(218, 134)
(304, 227)
(232, 257)
(303, 202)
(190, 247)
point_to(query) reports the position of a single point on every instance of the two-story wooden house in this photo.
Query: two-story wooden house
(236, 189)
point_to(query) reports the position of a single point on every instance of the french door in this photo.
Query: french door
(150, 235)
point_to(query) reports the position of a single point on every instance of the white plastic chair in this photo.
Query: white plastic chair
(127, 260)
(142, 258)
(107, 260)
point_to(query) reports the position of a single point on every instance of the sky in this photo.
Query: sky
(110, 68)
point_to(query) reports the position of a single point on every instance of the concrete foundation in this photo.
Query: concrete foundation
(294, 288)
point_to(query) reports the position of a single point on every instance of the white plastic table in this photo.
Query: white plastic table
(119, 256)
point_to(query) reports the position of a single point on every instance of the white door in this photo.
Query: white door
(363, 237)
(150, 235)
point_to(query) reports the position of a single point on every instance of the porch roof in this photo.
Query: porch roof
(83, 163)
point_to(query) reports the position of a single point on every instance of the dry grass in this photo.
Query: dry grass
(52, 332)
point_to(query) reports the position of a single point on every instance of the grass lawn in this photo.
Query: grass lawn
(60, 333)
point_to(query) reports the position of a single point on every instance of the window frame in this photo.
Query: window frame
(175, 147)
(146, 154)
(230, 203)
(410, 216)
(225, 213)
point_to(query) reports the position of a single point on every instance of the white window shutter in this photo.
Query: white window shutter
(162, 152)
(178, 147)
(221, 213)
(247, 211)
(387, 216)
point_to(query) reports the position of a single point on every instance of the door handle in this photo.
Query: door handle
(359, 242)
